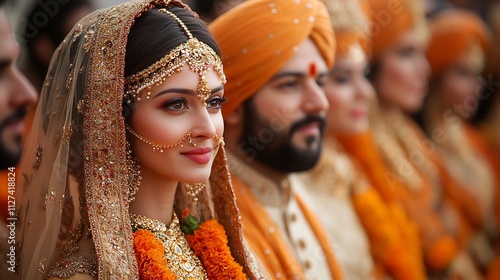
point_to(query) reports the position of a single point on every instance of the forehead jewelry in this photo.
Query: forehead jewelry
(196, 54)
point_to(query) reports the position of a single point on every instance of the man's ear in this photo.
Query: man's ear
(235, 117)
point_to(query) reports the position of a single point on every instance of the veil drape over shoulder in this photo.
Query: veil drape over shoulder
(74, 189)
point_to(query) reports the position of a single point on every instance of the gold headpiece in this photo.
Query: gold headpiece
(196, 54)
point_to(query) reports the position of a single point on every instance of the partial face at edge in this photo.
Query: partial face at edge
(16, 94)
(284, 120)
(173, 111)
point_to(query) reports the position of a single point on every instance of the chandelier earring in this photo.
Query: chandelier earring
(193, 190)
(134, 174)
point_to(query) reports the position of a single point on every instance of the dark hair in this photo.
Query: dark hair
(155, 34)
(373, 71)
(487, 105)
(47, 18)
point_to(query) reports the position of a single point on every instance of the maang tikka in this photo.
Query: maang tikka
(196, 54)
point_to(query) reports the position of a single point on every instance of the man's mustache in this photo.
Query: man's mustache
(308, 120)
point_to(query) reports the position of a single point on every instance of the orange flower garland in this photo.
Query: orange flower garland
(208, 241)
(149, 253)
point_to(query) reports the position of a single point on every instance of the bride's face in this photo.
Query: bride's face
(172, 111)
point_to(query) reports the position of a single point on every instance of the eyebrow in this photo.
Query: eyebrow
(322, 74)
(345, 68)
(296, 75)
(186, 91)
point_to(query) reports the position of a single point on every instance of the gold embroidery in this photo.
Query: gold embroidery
(66, 134)
(69, 82)
(38, 157)
(65, 199)
(80, 105)
(69, 266)
(49, 198)
(42, 265)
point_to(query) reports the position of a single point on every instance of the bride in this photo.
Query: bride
(124, 176)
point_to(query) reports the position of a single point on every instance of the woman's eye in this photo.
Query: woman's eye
(288, 84)
(216, 102)
(406, 52)
(341, 79)
(176, 105)
(321, 82)
(464, 72)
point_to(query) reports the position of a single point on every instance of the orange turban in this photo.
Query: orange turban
(350, 23)
(392, 19)
(453, 32)
(258, 37)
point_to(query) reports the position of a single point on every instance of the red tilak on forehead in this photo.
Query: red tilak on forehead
(312, 70)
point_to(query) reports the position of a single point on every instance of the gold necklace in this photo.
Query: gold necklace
(180, 258)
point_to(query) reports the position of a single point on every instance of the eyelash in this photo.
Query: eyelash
(287, 84)
(341, 79)
(213, 103)
(177, 101)
(219, 101)
(406, 52)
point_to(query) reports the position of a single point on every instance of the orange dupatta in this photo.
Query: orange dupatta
(438, 247)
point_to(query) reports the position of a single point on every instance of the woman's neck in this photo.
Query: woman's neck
(155, 197)
(435, 111)
(389, 108)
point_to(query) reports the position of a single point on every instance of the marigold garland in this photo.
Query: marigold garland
(209, 243)
(207, 239)
(149, 252)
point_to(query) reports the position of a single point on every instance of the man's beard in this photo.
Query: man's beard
(10, 157)
(279, 153)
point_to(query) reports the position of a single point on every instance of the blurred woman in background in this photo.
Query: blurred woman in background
(457, 51)
(399, 74)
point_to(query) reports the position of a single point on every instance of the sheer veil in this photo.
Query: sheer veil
(73, 194)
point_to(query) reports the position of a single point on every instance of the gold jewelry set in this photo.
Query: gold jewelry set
(181, 259)
(196, 54)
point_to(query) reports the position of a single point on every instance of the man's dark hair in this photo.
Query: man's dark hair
(55, 16)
